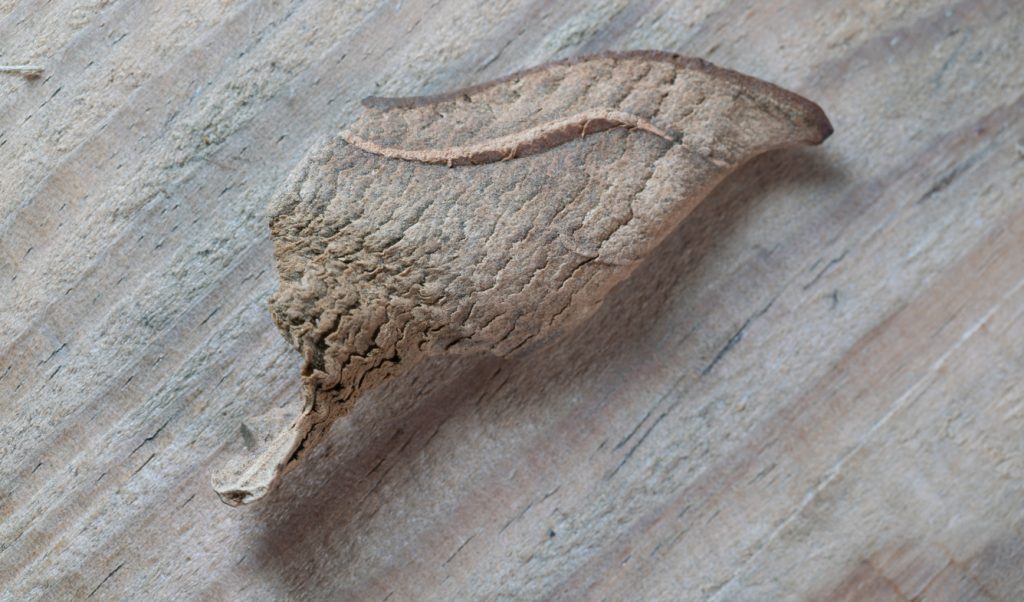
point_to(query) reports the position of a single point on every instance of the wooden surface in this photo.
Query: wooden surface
(811, 390)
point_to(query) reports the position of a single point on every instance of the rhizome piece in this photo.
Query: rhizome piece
(489, 218)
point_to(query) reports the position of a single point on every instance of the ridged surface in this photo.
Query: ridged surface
(811, 389)
(432, 226)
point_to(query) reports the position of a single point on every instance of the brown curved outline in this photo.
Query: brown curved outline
(519, 144)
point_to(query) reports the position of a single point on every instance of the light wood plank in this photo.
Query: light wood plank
(810, 391)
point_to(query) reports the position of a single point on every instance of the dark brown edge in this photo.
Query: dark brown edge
(813, 113)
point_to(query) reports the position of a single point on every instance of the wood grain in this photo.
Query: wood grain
(809, 391)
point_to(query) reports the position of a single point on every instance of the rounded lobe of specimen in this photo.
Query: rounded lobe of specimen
(491, 218)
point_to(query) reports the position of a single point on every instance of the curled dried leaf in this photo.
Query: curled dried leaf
(489, 218)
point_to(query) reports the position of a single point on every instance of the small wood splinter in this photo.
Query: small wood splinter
(491, 218)
(28, 71)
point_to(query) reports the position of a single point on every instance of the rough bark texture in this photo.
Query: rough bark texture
(810, 390)
(491, 218)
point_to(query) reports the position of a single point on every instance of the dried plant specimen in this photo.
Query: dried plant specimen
(489, 218)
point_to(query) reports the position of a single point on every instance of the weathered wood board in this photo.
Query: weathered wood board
(812, 390)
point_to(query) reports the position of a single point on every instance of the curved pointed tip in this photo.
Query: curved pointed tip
(806, 122)
(238, 496)
(252, 476)
(821, 127)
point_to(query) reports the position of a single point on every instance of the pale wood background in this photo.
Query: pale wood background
(811, 391)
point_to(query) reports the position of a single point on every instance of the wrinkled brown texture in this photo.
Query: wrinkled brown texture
(491, 218)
